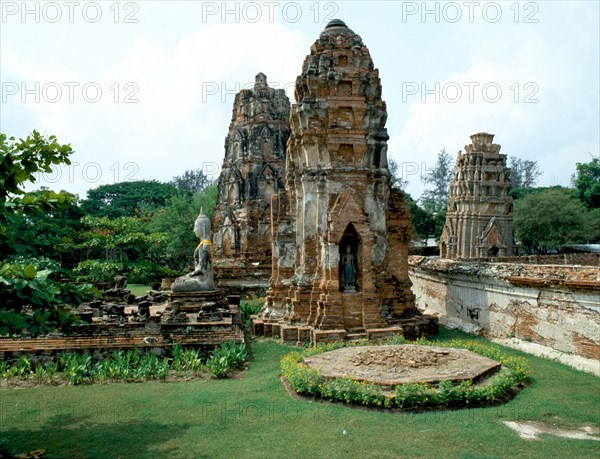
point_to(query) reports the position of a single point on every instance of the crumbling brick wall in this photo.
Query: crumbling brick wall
(584, 259)
(553, 305)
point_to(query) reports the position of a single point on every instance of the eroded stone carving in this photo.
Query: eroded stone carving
(253, 170)
(340, 233)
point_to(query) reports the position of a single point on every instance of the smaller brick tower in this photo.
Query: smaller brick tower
(479, 217)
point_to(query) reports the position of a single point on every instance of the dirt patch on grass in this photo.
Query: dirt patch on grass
(531, 430)
(391, 365)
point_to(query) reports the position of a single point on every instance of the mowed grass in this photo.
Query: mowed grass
(255, 417)
(138, 289)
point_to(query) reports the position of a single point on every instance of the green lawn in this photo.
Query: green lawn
(138, 289)
(254, 417)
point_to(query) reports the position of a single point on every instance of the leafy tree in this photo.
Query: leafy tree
(551, 218)
(32, 301)
(423, 223)
(595, 219)
(45, 233)
(127, 199)
(192, 181)
(19, 160)
(435, 201)
(518, 193)
(587, 182)
(524, 173)
(397, 181)
(206, 200)
(123, 245)
(177, 220)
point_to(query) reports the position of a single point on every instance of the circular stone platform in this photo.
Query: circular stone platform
(392, 365)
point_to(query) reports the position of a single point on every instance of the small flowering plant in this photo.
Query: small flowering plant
(513, 374)
(251, 304)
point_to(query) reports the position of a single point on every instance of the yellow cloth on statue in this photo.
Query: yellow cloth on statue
(206, 241)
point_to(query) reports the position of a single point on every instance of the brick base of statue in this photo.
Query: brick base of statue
(192, 307)
(242, 279)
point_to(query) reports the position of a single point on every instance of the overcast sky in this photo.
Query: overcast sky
(144, 90)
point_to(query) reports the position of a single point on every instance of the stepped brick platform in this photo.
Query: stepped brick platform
(390, 366)
(242, 278)
(411, 328)
(102, 337)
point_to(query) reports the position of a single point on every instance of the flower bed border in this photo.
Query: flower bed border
(500, 387)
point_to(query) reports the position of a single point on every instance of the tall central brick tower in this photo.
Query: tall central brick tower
(340, 234)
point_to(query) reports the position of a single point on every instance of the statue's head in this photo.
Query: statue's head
(202, 226)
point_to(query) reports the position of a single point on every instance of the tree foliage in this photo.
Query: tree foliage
(397, 180)
(32, 302)
(587, 183)
(177, 220)
(595, 219)
(524, 173)
(127, 199)
(192, 181)
(423, 223)
(48, 233)
(20, 160)
(120, 246)
(550, 218)
(436, 200)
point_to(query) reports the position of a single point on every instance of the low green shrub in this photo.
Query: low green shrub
(33, 302)
(137, 272)
(186, 360)
(217, 366)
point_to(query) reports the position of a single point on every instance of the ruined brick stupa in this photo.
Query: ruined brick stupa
(253, 170)
(340, 233)
(479, 217)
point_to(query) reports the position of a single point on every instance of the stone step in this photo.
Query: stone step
(355, 336)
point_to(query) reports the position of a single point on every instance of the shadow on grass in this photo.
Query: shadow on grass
(67, 435)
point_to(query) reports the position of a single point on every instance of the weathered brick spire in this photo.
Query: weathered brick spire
(253, 170)
(340, 233)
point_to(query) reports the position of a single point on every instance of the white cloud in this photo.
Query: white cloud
(176, 123)
(170, 53)
(535, 95)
